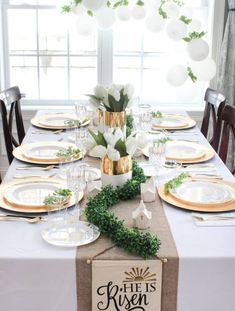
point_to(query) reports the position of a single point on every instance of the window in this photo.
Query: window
(52, 63)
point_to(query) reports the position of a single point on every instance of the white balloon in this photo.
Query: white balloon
(138, 12)
(176, 30)
(79, 9)
(105, 18)
(124, 13)
(171, 9)
(85, 25)
(177, 75)
(154, 23)
(94, 5)
(195, 25)
(198, 49)
(204, 70)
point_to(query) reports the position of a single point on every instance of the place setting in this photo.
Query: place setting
(59, 121)
(198, 194)
(47, 152)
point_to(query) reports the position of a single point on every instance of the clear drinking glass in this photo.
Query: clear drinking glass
(80, 111)
(145, 119)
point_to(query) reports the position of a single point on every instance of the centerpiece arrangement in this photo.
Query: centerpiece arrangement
(111, 103)
(116, 153)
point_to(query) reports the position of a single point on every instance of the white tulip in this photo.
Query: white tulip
(109, 137)
(113, 91)
(94, 102)
(118, 134)
(89, 143)
(100, 91)
(128, 90)
(98, 151)
(142, 140)
(113, 154)
(131, 145)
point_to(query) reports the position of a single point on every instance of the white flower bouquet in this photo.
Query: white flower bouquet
(113, 145)
(115, 98)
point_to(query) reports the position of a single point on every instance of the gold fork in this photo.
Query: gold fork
(45, 168)
(32, 220)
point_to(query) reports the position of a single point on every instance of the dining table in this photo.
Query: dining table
(35, 275)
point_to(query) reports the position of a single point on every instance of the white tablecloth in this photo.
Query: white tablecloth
(39, 277)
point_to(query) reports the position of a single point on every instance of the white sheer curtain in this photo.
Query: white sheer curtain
(226, 68)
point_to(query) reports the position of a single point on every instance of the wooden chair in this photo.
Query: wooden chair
(11, 98)
(215, 103)
(228, 119)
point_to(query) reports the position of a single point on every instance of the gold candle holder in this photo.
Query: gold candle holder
(122, 166)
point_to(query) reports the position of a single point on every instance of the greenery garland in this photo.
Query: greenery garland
(97, 212)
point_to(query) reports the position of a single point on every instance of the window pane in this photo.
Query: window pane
(23, 72)
(53, 77)
(52, 32)
(83, 76)
(22, 31)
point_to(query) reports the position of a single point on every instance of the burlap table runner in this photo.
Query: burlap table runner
(168, 250)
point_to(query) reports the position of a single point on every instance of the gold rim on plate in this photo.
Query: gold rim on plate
(189, 123)
(19, 152)
(22, 209)
(228, 206)
(36, 121)
(208, 154)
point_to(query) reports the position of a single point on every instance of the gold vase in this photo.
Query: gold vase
(122, 166)
(112, 119)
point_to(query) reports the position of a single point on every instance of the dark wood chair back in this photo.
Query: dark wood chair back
(215, 103)
(228, 119)
(11, 98)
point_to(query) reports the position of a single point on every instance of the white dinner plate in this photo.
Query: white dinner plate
(182, 150)
(56, 120)
(30, 193)
(203, 192)
(46, 152)
(171, 122)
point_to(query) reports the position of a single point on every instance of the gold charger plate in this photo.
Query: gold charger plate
(19, 152)
(67, 116)
(208, 154)
(22, 209)
(228, 206)
(189, 123)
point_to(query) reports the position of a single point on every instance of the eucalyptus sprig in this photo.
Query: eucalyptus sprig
(97, 212)
(156, 114)
(57, 197)
(76, 123)
(163, 140)
(175, 182)
(70, 151)
(194, 35)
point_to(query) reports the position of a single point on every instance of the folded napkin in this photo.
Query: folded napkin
(212, 220)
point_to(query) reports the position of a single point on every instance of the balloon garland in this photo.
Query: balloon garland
(157, 15)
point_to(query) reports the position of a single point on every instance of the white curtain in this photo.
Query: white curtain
(226, 68)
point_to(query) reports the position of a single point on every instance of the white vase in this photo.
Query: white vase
(115, 180)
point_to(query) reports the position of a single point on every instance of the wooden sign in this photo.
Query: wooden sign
(126, 285)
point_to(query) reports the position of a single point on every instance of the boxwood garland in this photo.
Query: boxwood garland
(97, 212)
